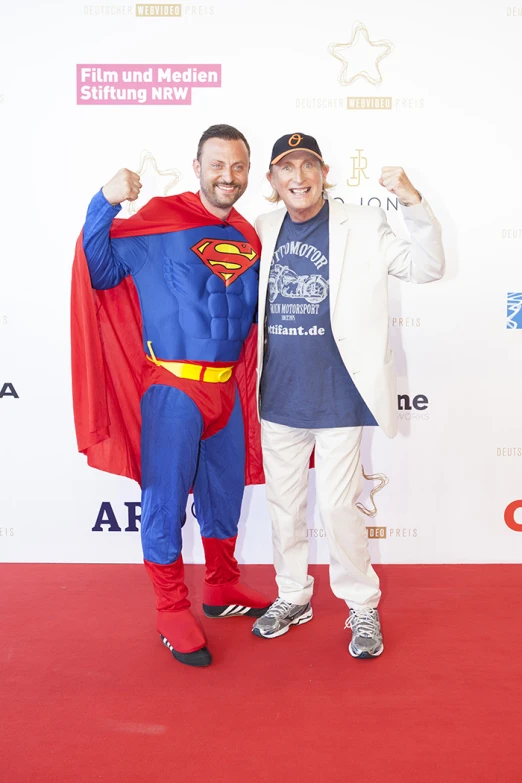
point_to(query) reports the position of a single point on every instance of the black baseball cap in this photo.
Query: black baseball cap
(293, 142)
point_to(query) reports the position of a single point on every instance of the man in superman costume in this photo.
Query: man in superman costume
(164, 373)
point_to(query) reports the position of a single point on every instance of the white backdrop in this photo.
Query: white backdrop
(451, 72)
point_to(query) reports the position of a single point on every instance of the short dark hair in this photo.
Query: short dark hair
(226, 132)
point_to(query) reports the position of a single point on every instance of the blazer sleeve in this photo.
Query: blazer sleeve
(421, 260)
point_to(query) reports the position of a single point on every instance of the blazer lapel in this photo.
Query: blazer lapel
(269, 238)
(338, 229)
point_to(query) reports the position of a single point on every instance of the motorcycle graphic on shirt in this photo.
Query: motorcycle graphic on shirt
(283, 280)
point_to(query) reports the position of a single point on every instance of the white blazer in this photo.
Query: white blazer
(363, 252)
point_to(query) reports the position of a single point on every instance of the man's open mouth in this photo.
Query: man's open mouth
(300, 191)
(226, 188)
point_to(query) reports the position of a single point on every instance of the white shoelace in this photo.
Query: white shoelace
(363, 622)
(278, 608)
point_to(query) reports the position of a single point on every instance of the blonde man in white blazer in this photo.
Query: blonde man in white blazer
(325, 370)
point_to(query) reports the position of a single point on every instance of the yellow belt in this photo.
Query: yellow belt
(192, 371)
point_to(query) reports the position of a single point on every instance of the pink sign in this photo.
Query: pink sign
(149, 85)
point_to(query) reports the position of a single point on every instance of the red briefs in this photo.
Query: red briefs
(215, 401)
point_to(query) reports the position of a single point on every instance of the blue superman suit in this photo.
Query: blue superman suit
(195, 309)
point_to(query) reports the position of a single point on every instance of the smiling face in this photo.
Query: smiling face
(299, 180)
(223, 174)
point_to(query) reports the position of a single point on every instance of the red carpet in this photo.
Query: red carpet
(88, 693)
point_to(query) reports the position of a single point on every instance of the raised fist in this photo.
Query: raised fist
(124, 186)
(395, 179)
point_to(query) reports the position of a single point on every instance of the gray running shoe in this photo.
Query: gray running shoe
(280, 616)
(366, 633)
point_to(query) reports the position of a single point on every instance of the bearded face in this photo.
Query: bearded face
(223, 172)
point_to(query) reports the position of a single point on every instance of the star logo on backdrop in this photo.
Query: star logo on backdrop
(383, 480)
(346, 54)
(148, 163)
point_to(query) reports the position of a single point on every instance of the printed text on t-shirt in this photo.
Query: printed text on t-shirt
(295, 330)
(301, 249)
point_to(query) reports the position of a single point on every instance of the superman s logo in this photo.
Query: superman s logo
(228, 260)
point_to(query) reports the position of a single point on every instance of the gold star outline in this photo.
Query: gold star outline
(335, 50)
(147, 160)
(383, 480)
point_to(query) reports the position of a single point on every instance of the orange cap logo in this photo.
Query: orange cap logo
(294, 140)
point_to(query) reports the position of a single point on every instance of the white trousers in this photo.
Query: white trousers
(286, 456)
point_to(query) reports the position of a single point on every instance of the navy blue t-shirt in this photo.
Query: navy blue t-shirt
(305, 383)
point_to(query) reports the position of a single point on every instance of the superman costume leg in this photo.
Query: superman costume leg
(218, 493)
(171, 430)
(180, 448)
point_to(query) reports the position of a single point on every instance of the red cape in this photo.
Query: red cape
(109, 370)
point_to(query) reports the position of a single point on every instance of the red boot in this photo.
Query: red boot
(223, 594)
(177, 626)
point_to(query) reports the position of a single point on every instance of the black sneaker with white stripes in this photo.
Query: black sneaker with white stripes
(232, 610)
(200, 657)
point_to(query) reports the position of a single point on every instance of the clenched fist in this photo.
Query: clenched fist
(124, 186)
(395, 179)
